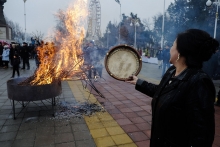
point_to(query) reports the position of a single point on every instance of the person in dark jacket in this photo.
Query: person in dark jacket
(182, 104)
(160, 58)
(25, 54)
(211, 65)
(1, 51)
(15, 64)
(13, 51)
(217, 77)
(89, 57)
(166, 59)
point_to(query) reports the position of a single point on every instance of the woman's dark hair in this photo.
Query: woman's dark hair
(196, 46)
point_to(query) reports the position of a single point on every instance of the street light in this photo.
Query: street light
(119, 37)
(25, 21)
(217, 3)
(162, 37)
(107, 36)
(135, 21)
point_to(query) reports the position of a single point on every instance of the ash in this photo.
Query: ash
(67, 110)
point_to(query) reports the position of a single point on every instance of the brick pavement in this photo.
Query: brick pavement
(35, 128)
(132, 110)
(127, 120)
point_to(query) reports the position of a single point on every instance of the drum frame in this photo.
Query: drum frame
(127, 47)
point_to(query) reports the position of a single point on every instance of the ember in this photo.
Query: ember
(66, 110)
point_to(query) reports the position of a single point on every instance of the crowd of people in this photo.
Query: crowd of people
(17, 56)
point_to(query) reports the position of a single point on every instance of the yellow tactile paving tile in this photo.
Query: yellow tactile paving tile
(99, 133)
(104, 142)
(97, 125)
(122, 139)
(110, 123)
(104, 116)
(115, 130)
(128, 145)
(104, 129)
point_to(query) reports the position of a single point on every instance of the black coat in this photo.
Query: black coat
(16, 62)
(160, 55)
(13, 51)
(183, 110)
(166, 56)
(210, 67)
(25, 52)
(1, 49)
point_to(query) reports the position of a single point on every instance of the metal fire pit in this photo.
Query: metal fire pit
(28, 93)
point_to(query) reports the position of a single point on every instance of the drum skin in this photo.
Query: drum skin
(123, 61)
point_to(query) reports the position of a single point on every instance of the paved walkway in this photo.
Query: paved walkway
(125, 124)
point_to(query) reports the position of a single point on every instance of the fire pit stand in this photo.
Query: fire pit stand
(29, 93)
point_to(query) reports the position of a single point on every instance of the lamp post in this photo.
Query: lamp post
(24, 21)
(162, 36)
(119, 36)
(107, 36)
(217, 3)
(135, 21)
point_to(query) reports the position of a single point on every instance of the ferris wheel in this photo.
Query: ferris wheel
(94, 20)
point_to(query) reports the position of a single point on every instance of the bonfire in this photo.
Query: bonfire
(63, 57)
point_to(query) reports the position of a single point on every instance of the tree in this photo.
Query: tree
(37, 35)
(182, 15)
(17, 31)
(110, 35)
(147, 24)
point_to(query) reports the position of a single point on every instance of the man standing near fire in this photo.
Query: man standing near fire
(25, 54)
(93, 59)
(159, 58)
(1, 51)
(166, 59)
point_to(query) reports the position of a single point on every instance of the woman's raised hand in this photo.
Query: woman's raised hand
(132, 80)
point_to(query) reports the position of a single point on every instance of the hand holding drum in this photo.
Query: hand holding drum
(132, 80)
(123, 61)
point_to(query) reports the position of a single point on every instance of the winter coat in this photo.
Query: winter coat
(211, 65)
(97, 58)
(25, 52)
(93, 56)
(182, 110)
(1, 49)
(16, 62)
(86, 52)
(166, 56)
(159, 55)
(5, 54)
(13, 51)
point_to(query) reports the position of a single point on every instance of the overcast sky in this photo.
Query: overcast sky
(40, 13)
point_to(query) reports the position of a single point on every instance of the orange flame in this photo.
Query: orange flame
(65, 59)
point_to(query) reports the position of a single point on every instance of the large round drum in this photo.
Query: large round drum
(123, 61)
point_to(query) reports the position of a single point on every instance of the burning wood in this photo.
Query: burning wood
(63, 58)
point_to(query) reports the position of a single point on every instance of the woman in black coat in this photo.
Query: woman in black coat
(183, 102)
